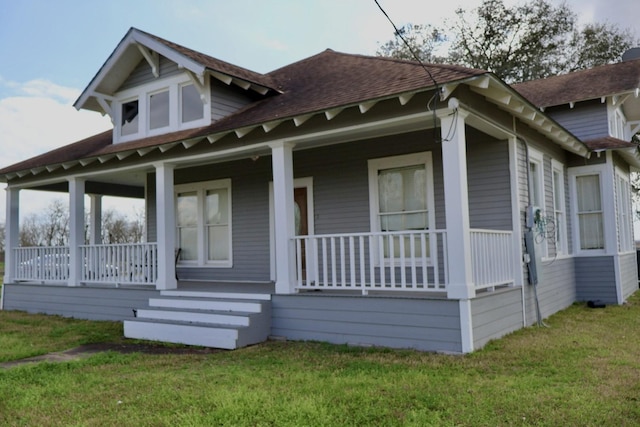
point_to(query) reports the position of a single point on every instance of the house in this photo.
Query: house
(341, 198)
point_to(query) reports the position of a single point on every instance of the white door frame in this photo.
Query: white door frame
(306, 182)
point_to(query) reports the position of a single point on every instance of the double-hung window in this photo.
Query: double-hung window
(623, 208)
(401, 202)
(589, 211)
(203, 220)
(559, 207)
(537, 199)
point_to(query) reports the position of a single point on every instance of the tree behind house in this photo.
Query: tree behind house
(529, 41)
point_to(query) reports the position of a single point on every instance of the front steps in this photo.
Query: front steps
(210, 319)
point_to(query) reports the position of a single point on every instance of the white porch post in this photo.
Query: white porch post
(95, 219)
(454, 159)
(284, 221)
(166, 227)
(12, 232)
(456, 202)
(76, 229)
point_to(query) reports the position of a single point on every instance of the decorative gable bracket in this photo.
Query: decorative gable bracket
(153, 58)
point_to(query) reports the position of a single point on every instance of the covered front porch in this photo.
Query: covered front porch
(336, 262)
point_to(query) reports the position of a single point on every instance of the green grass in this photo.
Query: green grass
(583, 370)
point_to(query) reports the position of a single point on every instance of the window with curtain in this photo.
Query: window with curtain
(589, 212)
(401, 199)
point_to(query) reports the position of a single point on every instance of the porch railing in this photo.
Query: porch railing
(41, 263)
(127, 263)
(491, 258)
(396, 261)
(418, 261)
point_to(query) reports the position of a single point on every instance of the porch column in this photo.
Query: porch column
(76, 229)
(95, 219)
(166, 227)
(11, 232)
(284, 220)
(456, 201)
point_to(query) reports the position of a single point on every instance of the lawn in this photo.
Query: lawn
(582, 370)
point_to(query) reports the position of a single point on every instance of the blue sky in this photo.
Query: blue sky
(50, 50)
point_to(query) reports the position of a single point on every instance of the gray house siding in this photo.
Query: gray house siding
(422, 324)
(496, 314)
(142, 73)
(628, 274)
(556, 289)
(595, 279)
(80, 302)
(226, 99)
(150, 208)
(587, 120)
(489, 184)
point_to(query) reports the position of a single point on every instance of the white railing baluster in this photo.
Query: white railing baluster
(352, 262)
(343, 267)
(334, 275)
(363, 278)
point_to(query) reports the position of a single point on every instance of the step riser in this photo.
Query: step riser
(182, 334)
(226, 295)
(185, 316)
(206, 305)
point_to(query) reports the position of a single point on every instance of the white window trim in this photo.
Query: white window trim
(624, 245)
(573, 173)
(556, 166)
(143, 92)
(536, 157)
(375, 165)
(200, 188)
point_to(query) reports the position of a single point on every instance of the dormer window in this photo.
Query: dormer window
(162, 106)
(129, 122)
(191, 104)
(159, 110)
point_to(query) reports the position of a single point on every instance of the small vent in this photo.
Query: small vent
(631, 54)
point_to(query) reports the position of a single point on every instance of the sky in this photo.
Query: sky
(50, 51)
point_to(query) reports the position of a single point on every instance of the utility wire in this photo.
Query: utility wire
(424, 67)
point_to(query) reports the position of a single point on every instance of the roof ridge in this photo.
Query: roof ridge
(381, 58)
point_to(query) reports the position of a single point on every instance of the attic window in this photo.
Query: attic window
(159, 110)
(191, 104)
(129, 125)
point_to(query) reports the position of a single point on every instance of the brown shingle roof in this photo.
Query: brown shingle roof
(582, 85)
(217, 64)
(608, 143)
(321, 82)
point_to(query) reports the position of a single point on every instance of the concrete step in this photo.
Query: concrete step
(236, 318)
(221, 295)
(225, 337)
(213, 304)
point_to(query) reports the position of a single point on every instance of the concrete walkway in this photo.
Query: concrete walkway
(90, 349)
